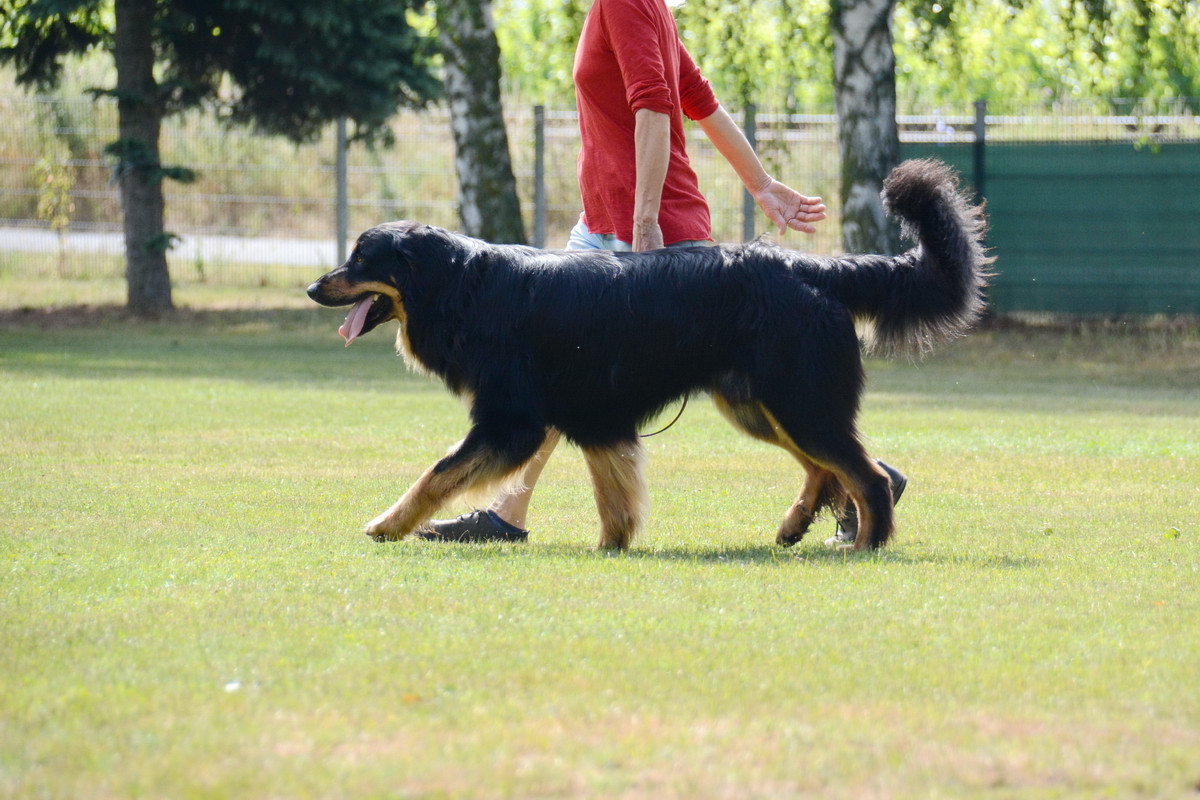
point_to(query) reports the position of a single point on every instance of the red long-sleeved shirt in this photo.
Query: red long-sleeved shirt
(630, 57)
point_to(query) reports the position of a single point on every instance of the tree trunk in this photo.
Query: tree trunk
(488, 204)
(864, 69)
(138, 162)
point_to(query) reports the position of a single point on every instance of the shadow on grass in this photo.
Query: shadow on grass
(760, 555)
(183, 318)
(268, 346)
(774, 554)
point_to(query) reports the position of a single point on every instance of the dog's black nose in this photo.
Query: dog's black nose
(314, 290)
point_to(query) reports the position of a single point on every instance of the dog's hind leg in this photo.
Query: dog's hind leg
(618, 479)
(754, 420)
(810, 386)
(479, 460)
(835, 449)
(871, 492)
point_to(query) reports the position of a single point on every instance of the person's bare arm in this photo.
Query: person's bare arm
(652, 150)
(783, 205)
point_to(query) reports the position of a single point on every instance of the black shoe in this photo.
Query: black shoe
(478, 526)
(847, 529)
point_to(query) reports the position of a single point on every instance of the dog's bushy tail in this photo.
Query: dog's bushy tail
(934, 292)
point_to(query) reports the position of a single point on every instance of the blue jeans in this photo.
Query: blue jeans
(583, 239)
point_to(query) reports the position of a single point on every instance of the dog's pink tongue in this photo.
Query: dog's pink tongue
(353, 325)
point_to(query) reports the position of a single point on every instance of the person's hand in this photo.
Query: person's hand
(647, 235)
(787, 208)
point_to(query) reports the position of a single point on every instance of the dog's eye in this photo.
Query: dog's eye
(359, 260)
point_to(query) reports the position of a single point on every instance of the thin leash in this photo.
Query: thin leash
(669, 424)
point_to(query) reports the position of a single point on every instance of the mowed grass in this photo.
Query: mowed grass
(187, 608)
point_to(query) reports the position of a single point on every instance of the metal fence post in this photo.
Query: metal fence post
(342, 195)
(539, 176)
(980, 146)
(750, 125)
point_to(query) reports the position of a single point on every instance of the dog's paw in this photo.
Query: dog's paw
(791, 534)
(379, 530)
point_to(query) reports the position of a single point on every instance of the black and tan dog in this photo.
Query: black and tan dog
(596, 343)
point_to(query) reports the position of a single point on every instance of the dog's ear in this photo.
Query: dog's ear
(401, 243)
(404, 274)
(428, 258)
(424, 245)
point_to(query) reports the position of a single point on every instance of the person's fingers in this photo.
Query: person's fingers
(803, 227)
(777, 219)
(787, 208)
(772, 209)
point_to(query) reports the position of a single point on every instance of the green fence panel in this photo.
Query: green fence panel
(1089, 227)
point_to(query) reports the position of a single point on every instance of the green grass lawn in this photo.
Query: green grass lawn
(187, 608)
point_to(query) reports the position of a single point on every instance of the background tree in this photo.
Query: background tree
(864, 76)
(285, 66)
(488, 203)
(55, 181)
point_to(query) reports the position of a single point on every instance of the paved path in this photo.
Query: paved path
(241, 249)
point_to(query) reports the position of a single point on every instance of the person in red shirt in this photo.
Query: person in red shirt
(634, 83)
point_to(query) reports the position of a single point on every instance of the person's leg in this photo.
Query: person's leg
(512, 505)
(505, 518)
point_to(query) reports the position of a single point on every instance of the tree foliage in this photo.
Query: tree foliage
(1012, 52)
(1019, 53)
(284, 66)
(768, 52)
(537, 42)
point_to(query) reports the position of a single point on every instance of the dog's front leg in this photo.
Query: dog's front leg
(477, 461)
(416, 506)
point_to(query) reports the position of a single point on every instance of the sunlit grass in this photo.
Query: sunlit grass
(187, 608)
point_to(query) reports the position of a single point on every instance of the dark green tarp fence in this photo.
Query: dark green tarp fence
(1088, 227)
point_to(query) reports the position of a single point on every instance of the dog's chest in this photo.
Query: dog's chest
(405, 349)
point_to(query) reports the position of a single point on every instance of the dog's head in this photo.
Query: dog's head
(376, 277)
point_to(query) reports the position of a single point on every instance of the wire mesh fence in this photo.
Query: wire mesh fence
(264, 209)
(258, 203)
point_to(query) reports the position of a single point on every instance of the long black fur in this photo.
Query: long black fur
(596, 343)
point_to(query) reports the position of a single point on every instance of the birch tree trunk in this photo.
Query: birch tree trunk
(864, 70)
(488, 204)
(139, 169)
